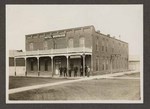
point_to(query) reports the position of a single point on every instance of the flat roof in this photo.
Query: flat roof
(62, 30)
(76, 29)
(110, 37)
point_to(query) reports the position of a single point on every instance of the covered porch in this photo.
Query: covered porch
(39, 64)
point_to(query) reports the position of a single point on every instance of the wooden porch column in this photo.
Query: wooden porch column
(67, 63)
(83, 64)
(15, 65)
(52, 66)
(38, 66)
(91, 65)
(25, 60)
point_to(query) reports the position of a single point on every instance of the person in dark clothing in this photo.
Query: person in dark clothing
(75, 71)
(81, 71)
(70, 72)
(86, 70)
(65, 71)
(60, 70)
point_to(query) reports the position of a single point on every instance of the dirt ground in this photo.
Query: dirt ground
(98, 89)
(15, 82)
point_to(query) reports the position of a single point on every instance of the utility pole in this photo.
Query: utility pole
(111, 60)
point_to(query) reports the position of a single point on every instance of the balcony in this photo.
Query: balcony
(54, 51)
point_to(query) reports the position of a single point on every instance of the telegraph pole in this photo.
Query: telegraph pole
(111, 59)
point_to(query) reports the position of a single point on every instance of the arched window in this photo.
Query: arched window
(45, 45)
(97, 63)
(70, 43)
(31, 46)
(102, 45)
(81, 41)
(97, 44)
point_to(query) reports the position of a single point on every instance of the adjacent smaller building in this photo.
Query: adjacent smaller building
(134, 62)
(20, 66)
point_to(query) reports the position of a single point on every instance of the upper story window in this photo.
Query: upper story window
(81, 42)
(70, 43)
(102, 45)
(31, 46)
(113, 46)
(45, 45)
(97, 44)
(97, 63)
(106, 45)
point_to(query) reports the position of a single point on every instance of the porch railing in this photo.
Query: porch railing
(55, 51)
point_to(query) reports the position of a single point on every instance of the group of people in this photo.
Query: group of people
(74, 71)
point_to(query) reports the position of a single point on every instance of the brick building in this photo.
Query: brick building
(46, 52)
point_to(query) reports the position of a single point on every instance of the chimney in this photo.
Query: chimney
(108, 35)
(98, 31)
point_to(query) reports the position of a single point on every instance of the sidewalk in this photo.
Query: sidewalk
(17, 90)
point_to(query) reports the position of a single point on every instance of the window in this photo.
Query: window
(81, 41)
(103, 65)
(107, 64)
(106, 45)
(70, 43)
(97, 44)
(113, 46)
(113, 64)
(97, 64)
(103, 46)
(31, 46)
(45, 45)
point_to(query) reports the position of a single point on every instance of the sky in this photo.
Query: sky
(125, 21)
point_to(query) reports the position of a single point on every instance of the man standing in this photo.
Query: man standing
(81, 71)
(70, 72)
(60, 70)
(75, 71)
(65, 72)
(86, 70)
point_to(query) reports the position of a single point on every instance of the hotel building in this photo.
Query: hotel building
(46, 52)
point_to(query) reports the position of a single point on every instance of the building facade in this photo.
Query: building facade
(75, 47)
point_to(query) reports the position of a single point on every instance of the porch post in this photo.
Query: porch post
(111, 60)
(38, 66)
(25, 60)
(15, 65)
(52, 66)
(67, 63)
(91, 64)
(83, 64)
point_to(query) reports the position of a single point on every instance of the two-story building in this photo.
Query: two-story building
(46, 52)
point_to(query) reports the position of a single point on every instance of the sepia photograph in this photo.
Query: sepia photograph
(74, 53)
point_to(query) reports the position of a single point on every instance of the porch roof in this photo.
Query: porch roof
(55, 52)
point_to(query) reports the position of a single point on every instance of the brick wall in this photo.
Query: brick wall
(102, 55)
(60, 42)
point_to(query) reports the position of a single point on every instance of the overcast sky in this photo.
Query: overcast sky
(123, 20)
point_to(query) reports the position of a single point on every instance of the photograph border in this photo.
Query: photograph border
(88, 105)
(74, 101)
